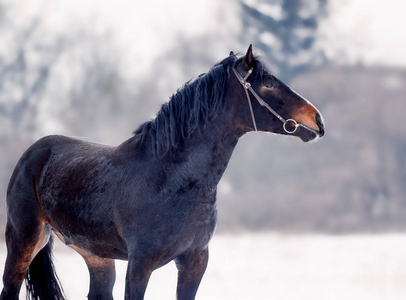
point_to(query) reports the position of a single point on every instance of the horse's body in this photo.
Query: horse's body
(149, 200)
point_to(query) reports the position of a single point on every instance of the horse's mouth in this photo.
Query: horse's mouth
(307, 134)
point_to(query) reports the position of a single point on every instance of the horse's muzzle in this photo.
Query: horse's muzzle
(320, 123)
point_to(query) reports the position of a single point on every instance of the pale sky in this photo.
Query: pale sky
(356, 30)
(368, 31)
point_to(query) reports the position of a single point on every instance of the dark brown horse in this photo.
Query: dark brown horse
(151, 199)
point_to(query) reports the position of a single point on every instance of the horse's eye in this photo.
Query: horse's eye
(270, 86)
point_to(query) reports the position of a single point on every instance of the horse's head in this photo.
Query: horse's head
(270, 105)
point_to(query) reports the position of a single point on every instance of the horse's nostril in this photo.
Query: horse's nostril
(321, 133)
(319, 122)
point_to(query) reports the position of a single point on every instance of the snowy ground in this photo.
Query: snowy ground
(273, 266)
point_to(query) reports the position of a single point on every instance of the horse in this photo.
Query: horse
(151, 199)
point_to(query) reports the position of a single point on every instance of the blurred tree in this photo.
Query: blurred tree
(25, 65)
(97, 92)
(285, 31)
(23, 77)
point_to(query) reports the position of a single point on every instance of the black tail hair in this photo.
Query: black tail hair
(41, 280)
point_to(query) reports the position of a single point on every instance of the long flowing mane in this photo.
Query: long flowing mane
(198, 102)
(193, 106)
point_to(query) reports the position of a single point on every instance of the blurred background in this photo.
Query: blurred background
(99, 69)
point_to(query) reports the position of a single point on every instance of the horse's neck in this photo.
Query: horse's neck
(210, 154)
(203, 157)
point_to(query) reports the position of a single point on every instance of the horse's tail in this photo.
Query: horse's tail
(41, 280)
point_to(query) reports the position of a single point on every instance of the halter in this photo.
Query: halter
(247, 87)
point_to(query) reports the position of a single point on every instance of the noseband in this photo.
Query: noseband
(247, 87)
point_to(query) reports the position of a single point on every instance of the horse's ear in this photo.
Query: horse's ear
(249, 57)
(232, 53)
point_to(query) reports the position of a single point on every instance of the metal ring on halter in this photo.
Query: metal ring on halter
(295, 126)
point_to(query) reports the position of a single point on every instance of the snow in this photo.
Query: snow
(272, 266)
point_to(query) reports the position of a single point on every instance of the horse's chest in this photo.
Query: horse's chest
(204, 214)
(202, 221)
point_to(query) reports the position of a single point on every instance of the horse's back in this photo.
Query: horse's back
(31, 164)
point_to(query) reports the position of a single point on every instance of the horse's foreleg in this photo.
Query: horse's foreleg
(138, 274)
(191, 267)
(102, 276)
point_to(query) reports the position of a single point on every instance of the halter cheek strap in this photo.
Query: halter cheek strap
(247, 87)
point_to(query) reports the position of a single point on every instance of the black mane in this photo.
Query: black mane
(193, 106)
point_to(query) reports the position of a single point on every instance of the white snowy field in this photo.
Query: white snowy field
(272, 266)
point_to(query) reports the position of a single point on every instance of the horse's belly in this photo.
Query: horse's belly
(111, 246)
(82, 213)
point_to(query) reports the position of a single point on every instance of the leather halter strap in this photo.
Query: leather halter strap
(247, 89)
